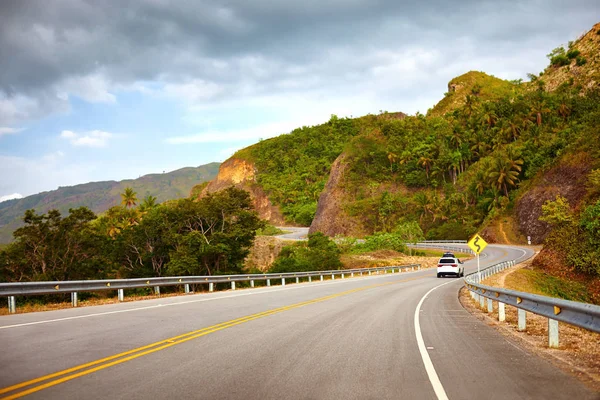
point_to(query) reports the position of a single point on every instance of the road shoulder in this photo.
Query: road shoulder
(579, 351)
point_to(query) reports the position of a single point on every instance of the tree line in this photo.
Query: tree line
(209, 236)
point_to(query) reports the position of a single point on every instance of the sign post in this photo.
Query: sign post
(477, 244)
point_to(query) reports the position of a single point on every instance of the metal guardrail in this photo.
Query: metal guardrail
(444, 241)
(13, 289)
(583, 315)
(442, 246)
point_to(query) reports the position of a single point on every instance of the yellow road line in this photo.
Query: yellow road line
(161, 345)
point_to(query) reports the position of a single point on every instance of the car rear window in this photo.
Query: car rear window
(447, 261)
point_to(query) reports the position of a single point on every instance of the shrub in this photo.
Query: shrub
(571, 54)
(318, 254)
(381, 241)
(580, 61)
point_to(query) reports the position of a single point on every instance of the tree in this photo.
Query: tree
(409, 232)
(128, 198)
(148, 203)
(50, 247)
(505, 170)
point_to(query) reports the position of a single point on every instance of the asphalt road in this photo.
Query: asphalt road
(343, 339)
(293, 233)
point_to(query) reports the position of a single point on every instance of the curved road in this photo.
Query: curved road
(381, 337)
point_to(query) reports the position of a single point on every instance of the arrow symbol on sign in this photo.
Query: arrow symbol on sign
(478, 246)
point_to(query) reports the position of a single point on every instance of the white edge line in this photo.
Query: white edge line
(438, 388)
(318, 283)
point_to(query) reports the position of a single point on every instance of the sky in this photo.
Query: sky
(107, 90)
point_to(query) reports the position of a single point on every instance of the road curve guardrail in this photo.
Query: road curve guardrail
(13, 289)
(442, 245)
(583, 315)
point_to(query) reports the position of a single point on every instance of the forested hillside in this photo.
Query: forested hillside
(100, 196)
(488, 155)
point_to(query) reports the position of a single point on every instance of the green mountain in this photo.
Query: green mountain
(100, 196)
(486, 159)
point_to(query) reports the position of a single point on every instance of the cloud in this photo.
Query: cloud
(252, 134)
(29, 175)
(202, 51)
(94, 138)
(193, 91)
(11, 197)
(8, 131)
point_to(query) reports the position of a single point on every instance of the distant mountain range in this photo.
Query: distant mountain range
(100, 196)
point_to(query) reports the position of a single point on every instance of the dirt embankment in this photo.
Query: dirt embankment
(242, 174)
(331, 219)
(264, 252)
(567, 179)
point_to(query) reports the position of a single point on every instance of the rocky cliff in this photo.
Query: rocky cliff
(331, 219)
(242, 174)
(567, 179)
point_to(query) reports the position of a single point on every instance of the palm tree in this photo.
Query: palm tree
(128, 198)
(425, 162)
(148, 203)
(505, 172)
(538, 109)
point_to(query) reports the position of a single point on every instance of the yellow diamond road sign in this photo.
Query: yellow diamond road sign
(477, 244)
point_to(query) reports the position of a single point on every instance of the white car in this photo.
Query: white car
(450, 266)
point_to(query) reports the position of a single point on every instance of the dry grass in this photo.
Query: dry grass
(579, 351)
(35, 307)
(384, 258)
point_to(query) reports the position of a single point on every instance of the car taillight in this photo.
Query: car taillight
(454, 265)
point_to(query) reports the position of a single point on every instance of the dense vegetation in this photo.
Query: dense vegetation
(451, 173)
(182, 237)
(294, 168)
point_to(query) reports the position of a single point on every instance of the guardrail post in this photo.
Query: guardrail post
(157, 290)
(211, 286)
(481, 301)
(419, 267)
(310, 278)
(74, 299)
(552, 333)
(12, 305)
(332, 277)
(343, 277)
(252, 283)
(501, 312)
(297, 280)
(360, 272)
(351, 274)
(522, 320)
(490, 306)
(369, 273)
(233, 285)
(121, 294)
(186, 288)
(282, 281)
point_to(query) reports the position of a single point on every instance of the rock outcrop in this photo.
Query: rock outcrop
(567, 179)
(242, 174)
(331, 219)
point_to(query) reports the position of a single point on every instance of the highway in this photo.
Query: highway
(394, 336)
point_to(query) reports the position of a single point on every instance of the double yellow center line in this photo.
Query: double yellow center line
(91, 367)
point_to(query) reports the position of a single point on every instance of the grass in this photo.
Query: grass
(537, 282)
